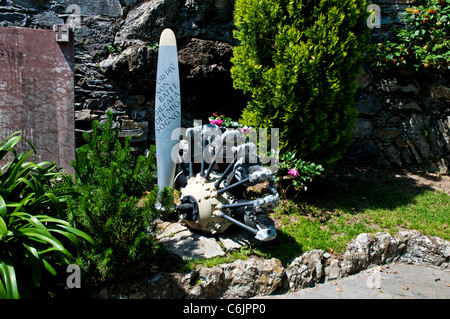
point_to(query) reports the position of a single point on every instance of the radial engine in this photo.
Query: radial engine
(215, 167)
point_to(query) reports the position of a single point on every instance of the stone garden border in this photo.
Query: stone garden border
(261, 277)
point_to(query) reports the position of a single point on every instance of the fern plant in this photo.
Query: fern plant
(33, 236)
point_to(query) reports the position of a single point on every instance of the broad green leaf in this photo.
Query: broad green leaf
(42, 236)
(9, 278)
(76, 232)
(33, 220)
(35, 263)
(22, 203)
(3, 209)
(55, 202)
(3, 228)
(14, 174)
(3, 293)
(9, 144)
(49, 267)
(27, 182)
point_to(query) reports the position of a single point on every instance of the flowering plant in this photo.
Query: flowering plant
(222, 120)
(425, 42)
(297, 170)
(293, 172)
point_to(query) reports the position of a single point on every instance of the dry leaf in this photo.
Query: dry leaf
(394, 272)
(448, 285)
(338, 288)
(404, 287)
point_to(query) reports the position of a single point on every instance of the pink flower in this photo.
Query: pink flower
(217, 122)
(245, 130)
(293, 172)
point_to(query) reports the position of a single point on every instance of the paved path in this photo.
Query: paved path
(394, 281)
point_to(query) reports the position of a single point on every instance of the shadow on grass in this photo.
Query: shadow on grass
(313, 219)
(354, 190)
(285, 247)
(304, 222)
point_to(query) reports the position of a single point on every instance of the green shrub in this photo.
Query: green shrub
(111, 181)
(298, 60)
(33, 241)
(299, 171)
(424, 42)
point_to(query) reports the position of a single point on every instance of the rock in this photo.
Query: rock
(47, 19)
(111, 8)
(387, 134)
(357, 255)
(369, 104)
(132, 125)
(189, 245)
(209, 19)
(8, 19)
(364, 151)
(428, 250)
(391, 85)
(416, 130)
(393, 155)
(364, 78)
(234, 240)
(385, 249)
(363, 129)
(333, 269)
(306, 270)
(133, 59)
(239, 280)
(205, 72)
(251, 277)
(439, 91)
(243, 279)
(160, 286)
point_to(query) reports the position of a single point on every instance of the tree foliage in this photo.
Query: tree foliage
(298, 60)
(111, 181)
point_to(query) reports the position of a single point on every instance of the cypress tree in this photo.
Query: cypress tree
(297, 59)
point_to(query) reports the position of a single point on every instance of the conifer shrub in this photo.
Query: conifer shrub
(116, 202)
(297, 60)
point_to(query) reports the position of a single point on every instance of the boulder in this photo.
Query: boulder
(306, 270)
(243, 279)
(209, 19)
(426, 250)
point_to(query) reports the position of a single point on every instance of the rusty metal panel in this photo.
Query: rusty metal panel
(37, 92)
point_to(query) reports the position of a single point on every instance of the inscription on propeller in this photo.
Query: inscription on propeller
(168, 99)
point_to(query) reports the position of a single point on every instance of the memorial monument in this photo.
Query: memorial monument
(37, 91)
(211, 166)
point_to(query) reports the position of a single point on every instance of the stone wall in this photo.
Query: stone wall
(252, 277)
(116, 55)
(404, 118)
(404, 121)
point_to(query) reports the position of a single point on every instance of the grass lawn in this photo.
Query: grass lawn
(345, 203)
(335, 209)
